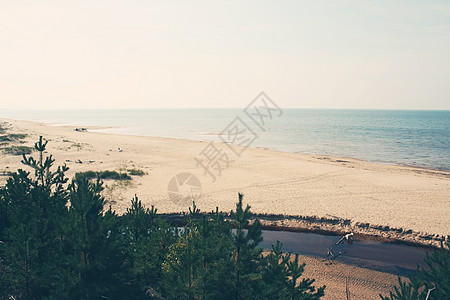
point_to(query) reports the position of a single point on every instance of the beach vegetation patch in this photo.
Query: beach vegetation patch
(12, 137)
(107, 174)
(2, 128)
(136, 172)
(17, 150)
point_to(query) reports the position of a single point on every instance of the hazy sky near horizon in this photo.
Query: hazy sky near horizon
(169, 54)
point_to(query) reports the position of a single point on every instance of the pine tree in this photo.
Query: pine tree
(95, 243)
(179, 268)
(437, 274)
(275, 273)
(147, 239)
(303, 289)
(33, 209)
(198, 262)
(214, 248)
(246, 253)
(432, 281)
(412, 290)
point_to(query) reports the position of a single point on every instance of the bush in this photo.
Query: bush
(17, 150)
(102, 175)
(86, 175)
(136, 172)
(12, 137)
(113, 175)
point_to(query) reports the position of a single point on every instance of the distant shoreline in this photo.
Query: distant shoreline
(104, 130)
(100, 130)
(417, 138)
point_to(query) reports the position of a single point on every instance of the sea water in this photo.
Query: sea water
(406, 137)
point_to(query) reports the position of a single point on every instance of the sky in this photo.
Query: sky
(207, 54)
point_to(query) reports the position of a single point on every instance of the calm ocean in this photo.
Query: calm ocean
(417, 138)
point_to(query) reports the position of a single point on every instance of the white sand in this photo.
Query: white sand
(272, 182)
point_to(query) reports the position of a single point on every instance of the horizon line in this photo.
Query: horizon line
(174, 108)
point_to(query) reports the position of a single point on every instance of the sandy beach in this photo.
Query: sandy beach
(272, 182)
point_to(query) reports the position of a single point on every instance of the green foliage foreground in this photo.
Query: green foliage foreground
(57, 241)
(431, 282)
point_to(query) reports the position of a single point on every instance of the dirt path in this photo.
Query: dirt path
(363, 283)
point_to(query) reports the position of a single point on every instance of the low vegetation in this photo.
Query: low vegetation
(7, 141)
(12, 137)
(136, 172)
(17, 150)
(102, 175)
(2, 128)
(107, 174)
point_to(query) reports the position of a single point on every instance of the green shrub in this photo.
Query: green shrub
(113, 175)
(12, 137)
(136, 172)
(17, 150)
(102, 175)
(85, 175)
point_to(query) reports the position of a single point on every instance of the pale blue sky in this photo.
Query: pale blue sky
(131, 54)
